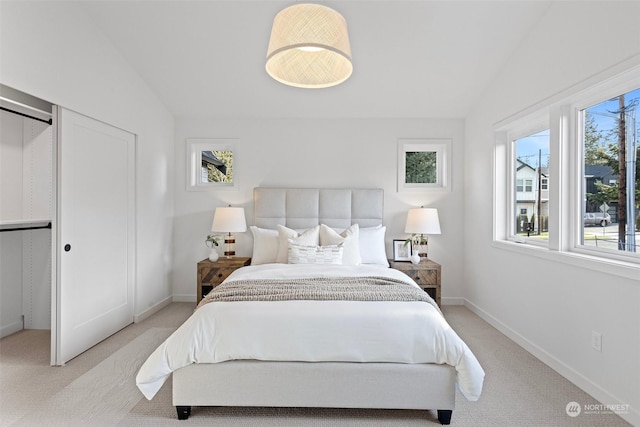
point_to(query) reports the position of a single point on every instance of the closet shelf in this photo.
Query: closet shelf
(24, 224)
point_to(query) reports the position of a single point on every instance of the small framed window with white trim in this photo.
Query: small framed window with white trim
(424, 164)
(211, 163)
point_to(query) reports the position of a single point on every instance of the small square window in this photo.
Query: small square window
(211, 164)
(424, 164)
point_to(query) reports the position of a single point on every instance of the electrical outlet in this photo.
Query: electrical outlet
(596, 340)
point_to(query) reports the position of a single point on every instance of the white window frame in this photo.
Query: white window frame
(442, 149)
(594, 96)
(195, 147)
(506, 137)
(566, 167)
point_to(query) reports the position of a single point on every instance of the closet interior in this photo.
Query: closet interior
(26, 209)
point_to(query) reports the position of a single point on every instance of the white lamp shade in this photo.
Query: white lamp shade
(229, 220)
(422, 221)
(309, 47)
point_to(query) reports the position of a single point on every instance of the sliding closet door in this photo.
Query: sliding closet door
(95, 232)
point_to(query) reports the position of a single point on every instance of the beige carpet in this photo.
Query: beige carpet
(103, 395)
(97, 388)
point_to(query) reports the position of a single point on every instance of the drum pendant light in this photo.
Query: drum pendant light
(309, 47)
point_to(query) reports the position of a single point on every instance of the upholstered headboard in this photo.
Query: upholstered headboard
(300, 208)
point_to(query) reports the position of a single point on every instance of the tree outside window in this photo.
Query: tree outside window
(612, 171)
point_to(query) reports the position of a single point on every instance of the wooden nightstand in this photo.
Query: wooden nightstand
(211, 274)
(426, 274)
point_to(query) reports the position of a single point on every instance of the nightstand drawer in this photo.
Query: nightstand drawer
(215, 276)
(424, 277)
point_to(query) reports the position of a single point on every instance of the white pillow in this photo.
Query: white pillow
(303, 254)
(372, 249)
(265, 245)
(349, 240)
(310, 237)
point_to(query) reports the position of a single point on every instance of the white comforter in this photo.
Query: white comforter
(314, 331)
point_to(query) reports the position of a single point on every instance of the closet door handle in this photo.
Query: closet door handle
(67, 247)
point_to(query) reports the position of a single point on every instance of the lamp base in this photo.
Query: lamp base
(230, 246)
(423, 248)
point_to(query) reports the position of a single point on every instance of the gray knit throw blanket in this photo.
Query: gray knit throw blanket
(369, 288)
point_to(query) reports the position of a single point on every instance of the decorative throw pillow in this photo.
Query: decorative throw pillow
(349, 240)
(303, 254)
(372, 249)
(265, 245)
(310, 237)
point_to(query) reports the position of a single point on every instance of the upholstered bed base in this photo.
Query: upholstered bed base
(319, 384)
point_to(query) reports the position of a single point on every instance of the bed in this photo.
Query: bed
(322, 347)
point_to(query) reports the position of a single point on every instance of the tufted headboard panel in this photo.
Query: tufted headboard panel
(300, 208)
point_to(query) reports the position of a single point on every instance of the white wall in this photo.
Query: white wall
(53, 51)
(553, 310)
(334, 153)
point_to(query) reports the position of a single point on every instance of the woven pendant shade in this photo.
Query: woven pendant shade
(309, 47)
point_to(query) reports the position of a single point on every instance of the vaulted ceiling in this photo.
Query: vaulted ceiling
(421, 58)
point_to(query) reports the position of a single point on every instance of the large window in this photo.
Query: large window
(567, 176)
(610, 184)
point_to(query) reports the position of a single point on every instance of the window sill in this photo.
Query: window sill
(629, 270)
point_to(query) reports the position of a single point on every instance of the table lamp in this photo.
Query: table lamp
(229, 220)
(422, 221)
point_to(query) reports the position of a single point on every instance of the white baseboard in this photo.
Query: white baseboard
(153, 309)
(582, 382)
(11, 328)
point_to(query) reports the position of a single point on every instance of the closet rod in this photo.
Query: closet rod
(50, 121)
(38, 227)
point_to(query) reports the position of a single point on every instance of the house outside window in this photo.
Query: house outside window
(217, 166)
(531, 163)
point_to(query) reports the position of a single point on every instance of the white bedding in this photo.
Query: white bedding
(314, 331)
